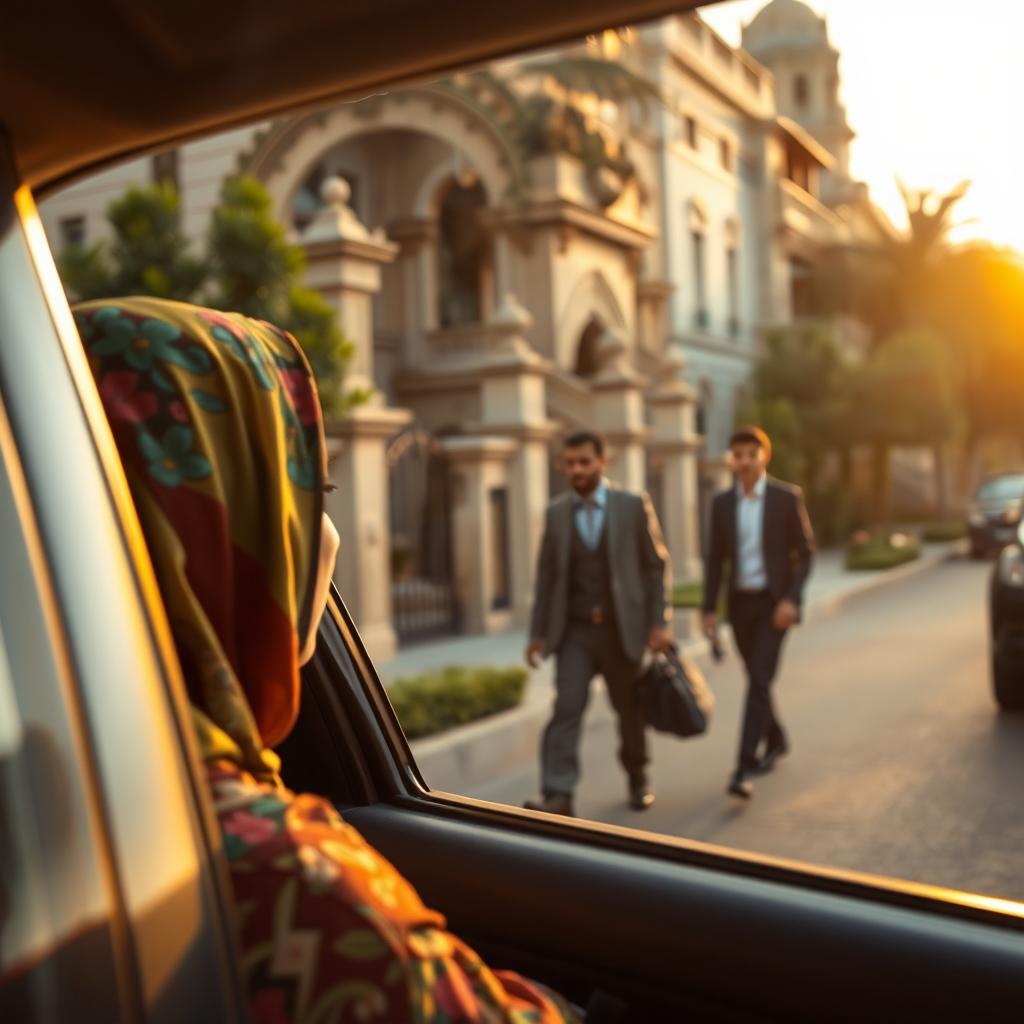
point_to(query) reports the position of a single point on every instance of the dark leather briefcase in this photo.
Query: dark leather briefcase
(674, 695)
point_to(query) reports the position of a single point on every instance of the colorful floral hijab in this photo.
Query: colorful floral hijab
(218, 423)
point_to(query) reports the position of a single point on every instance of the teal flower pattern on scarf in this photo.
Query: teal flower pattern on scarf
(171, 459)
(240, 344)
(143, 345)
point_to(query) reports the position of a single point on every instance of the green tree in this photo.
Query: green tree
(253, 266)
(906, 396)
(779, 419)
(148, 253)
(806, 367)
(255, 270)
(802, 398)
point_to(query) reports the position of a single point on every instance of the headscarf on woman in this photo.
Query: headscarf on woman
(218, 424)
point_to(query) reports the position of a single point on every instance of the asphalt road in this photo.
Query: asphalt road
(901, 764)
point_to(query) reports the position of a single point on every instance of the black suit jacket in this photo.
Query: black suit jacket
(641, 574)
(788, 544)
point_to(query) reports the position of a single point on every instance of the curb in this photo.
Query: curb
(877, 580)
(466, 758)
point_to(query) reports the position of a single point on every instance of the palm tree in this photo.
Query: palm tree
(887, 284)
(890, 285)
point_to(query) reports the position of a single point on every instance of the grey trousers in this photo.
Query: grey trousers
(587, 651)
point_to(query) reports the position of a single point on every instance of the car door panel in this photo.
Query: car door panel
(670, 927)
(647, 924)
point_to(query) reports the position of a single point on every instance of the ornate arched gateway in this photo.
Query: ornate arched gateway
(284, 156)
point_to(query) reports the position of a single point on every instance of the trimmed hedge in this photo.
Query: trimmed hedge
(936, 533)
(881, 551)
(435, 701)
(688, 594)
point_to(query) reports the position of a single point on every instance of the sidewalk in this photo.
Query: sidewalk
(464, 758)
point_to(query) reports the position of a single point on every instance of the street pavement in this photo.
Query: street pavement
(901, 764)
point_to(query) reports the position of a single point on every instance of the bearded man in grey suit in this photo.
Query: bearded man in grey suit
(603, 595)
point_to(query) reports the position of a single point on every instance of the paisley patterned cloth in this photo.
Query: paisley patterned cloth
(218, 424)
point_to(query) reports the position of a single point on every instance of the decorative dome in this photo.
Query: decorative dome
(785, 24)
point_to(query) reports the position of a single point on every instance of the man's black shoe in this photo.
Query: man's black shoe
(740, 786)
(641, 796)
(553, 803)
(771, 757)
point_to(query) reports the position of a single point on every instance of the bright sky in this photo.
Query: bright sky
(933, 89)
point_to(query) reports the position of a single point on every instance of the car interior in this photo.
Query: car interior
(117, 905)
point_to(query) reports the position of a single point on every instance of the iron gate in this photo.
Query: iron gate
(423, 599)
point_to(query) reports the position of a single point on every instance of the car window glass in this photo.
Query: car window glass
(661, 233)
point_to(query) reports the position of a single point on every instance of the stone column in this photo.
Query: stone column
(478, 466)
(678, 445)
(418, 263)
(359, 506)
(513, 405)
(619, 413)
(343, 264)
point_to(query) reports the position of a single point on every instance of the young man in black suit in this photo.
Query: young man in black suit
(760, 531)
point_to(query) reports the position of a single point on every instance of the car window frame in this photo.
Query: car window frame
(378, 766)
(37, 331)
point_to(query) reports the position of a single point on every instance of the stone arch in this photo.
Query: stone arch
(592, 299)
(289, 150)
(462, 252)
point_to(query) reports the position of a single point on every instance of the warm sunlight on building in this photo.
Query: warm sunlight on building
(931, 88)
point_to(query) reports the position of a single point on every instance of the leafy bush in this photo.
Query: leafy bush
(883, 550)
(938, 532)
(435, 701)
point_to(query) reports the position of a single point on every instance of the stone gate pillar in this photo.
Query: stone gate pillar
(343, 261)
(359, 506)
(618, 405)
(678, 446)
(343, 264)
(479, 468)
(513, 405)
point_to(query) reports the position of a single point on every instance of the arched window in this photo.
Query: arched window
(801, 91)
(461, 251)
(588, 351)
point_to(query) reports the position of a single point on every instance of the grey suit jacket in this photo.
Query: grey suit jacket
(640, 571)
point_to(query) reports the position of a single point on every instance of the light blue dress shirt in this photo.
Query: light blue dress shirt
(589, 514)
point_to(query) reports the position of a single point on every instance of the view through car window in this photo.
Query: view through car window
(682, 361)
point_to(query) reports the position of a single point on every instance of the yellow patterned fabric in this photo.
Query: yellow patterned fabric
(218, 423)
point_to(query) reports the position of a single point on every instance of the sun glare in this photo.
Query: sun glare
(931, 89)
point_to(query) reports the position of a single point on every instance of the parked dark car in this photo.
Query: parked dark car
(1006, 617)
(994, 513)
(114, 904)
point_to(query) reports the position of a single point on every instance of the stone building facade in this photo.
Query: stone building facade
(520, 251)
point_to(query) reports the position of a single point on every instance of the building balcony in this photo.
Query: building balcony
(803, 217)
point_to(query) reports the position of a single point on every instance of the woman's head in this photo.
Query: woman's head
(218, 424)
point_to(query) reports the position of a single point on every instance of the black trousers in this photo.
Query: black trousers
(586, 651)
(760, 645)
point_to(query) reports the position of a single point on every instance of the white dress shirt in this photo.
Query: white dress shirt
(590, 514)
(750, 571)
